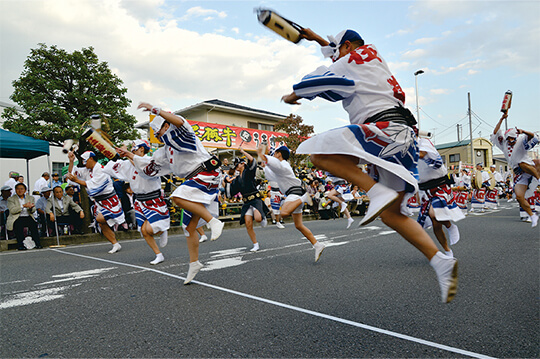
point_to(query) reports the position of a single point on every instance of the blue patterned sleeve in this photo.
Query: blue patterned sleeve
(325, 84)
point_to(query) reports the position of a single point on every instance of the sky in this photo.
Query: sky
(175, 53)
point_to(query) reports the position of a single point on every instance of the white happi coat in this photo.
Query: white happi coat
(183, 152)
(366, 87)
(98, 182)
(280, 172)
(139, 182)
(518, 153)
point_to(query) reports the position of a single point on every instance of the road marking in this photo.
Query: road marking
(66, 277)
(291, 307)
(36, 296)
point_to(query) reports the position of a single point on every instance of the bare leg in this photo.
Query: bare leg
(194, 207)
(105, 229)
(193, 238)
(148, 235)
(299, 224)
(249, 228)
(530, 169)
(408, 228)
(520, 190)
(344, 166)
(438, 230)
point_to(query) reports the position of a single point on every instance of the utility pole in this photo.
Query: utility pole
(458, 132)
(470, 131)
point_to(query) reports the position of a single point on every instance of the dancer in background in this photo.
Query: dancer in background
(151, 211)
(277, 169)
(99, 186)
(515, 143)
(254, 208)
(440, 206)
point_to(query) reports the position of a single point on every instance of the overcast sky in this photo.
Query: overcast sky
(177, 53)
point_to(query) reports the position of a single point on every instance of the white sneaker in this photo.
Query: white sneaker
(217, 227)
(255, 247)
(349, 222)
(116, 247)
(279, 225)
(319, 248)
(534, 220)
(163, 239)
(194, 268)
(203, 238)
(380, 197)
(449, 253)
(446, 269)
(343, 207)
(453, 234)
(306, 198)
(159, 259)
(264, 222)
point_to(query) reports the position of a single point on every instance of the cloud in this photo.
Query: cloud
(157, 59)
(424, 40)
(207, 14)
(414, 54)
(490, 32)
(398, 33)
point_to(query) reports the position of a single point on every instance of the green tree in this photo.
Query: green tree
(297, 133)
(59, 91)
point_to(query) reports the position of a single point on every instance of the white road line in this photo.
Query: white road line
(298, 309)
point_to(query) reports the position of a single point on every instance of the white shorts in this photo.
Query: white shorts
(294, 197)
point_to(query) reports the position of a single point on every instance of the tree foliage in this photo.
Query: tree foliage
(59, 91)
(297, 132)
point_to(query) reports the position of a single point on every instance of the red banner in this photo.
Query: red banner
(223, 136)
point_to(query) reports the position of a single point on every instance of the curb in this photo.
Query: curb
(11, 244)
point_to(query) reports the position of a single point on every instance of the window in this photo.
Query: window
(57, 167)
(261, 126)
(455, 157)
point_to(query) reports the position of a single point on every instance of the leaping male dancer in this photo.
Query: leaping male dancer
(380, 134)
(185, 156)
(277, 169)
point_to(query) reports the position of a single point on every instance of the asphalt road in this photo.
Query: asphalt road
(370, 295)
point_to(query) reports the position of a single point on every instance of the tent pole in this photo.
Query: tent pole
(49, 166)
(28, 175)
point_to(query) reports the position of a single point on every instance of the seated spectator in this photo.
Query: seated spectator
(62, 205)
(70, 191)
(21, 208)
(6, 193)
(41, 208)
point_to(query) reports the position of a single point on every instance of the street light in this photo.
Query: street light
(419, 72)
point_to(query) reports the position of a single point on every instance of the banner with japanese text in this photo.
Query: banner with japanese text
(224, 136)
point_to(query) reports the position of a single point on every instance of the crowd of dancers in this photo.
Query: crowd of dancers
(379, 156)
